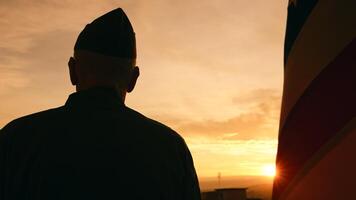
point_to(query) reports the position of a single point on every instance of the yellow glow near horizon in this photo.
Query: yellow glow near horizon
(231, 157)
(269, 170)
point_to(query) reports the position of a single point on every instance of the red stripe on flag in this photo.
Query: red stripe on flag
(324, 108)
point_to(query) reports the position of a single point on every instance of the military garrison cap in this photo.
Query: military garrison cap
(111, 34)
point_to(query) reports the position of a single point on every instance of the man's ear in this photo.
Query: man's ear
(72, 71)
(134, 76)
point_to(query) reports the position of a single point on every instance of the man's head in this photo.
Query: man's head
(105, 54)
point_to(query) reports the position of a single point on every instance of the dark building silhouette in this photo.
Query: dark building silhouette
(226, 194)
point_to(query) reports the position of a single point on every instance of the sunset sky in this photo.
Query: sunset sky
(212, 70)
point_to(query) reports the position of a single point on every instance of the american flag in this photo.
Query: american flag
(316, 156)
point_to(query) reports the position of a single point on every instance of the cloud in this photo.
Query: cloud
(12, 79)
(260, 122)
(211, 34)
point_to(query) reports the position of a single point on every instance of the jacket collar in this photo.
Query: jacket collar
(98, 97)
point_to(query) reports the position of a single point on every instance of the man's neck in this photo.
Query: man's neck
(121, 93)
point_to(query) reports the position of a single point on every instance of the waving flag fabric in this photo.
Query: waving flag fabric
(316, 156)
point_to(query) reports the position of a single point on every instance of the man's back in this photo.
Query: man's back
(94, 148)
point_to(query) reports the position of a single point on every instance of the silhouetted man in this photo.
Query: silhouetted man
(94, 147)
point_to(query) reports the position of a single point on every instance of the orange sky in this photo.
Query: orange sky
(211, 70)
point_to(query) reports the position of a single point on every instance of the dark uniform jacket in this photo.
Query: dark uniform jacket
(94, 147)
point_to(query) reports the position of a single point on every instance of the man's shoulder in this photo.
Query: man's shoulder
(156, 126)
(31, 120)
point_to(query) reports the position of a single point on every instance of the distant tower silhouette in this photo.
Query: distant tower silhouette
(219, 179)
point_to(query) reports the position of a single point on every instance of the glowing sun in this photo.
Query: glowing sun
(269, 170)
